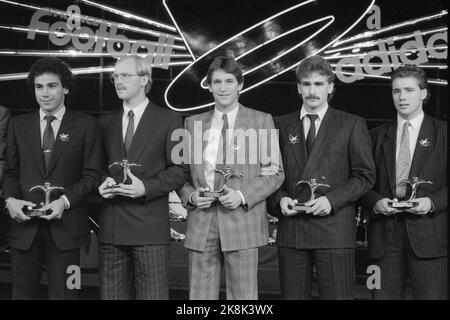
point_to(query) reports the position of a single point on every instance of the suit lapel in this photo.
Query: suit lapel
(327, 132)
(116, 137)
(422, 152)
(389, 146)
(206, 125)
(295, 130)
(143, 133)
(33, 132)
(59, 145)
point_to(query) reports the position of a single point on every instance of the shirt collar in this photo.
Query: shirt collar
(231, 115)
(58, 115)
(138, 110)
(415, 122)
(321, 113)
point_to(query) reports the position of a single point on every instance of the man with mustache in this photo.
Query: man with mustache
(134, 223)
(333, 147)
(61, 147)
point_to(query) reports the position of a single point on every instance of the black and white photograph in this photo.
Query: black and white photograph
(202, 152)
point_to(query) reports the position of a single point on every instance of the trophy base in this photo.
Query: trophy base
(211, 194)
(402, 204)
(32, 213)
(299, 208)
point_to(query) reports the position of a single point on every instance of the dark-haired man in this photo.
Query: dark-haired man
(226, 232)
(333, 147)
(410, 242)
(57, 146)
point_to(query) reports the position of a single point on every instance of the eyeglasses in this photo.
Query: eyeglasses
(125, 77)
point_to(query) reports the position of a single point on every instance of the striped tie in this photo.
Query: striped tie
(48, 140)
(403, 162)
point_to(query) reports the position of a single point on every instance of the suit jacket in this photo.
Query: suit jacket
(74, 165)
(427, 234)
(341, 157)
(145, 220)
(5, 118)
(247, 226)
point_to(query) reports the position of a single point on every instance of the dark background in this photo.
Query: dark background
(95, 94)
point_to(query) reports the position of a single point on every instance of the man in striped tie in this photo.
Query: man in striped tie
(58, 146)
(409, 241)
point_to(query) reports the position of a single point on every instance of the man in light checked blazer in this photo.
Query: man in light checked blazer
(227, 232)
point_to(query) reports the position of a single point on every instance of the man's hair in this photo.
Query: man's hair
(319, 65)
(412, 71)
(227, 64)
(51, 65)
(143, 68)
(315, 64)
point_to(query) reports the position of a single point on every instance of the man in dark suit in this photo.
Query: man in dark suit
(333, 147)
(225, 233)
(409, 242)
(134, 223)
(57, 146)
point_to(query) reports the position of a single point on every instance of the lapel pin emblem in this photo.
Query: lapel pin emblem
(425, 142)
(293, 139)
(64, 137)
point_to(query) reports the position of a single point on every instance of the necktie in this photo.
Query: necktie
(48, 140)
(311, 133)
(403, 162)
(218, 178)
(130, 131)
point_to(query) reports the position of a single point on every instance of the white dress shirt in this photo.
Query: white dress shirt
(307, 121)
(138, 112)
(55, 123)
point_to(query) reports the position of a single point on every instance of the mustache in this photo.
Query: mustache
(312, 97)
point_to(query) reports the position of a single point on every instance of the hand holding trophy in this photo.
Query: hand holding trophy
(47, 189)
(414, 182)
(124, 165)
(227, 173)
(301, 207)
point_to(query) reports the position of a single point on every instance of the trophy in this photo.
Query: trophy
(414, 182)
(313, 185)
(124, 165)
(47, 188)
(227, 174)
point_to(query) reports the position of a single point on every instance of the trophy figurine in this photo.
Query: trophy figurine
(124, 164)
(47, 188)
(227, 174)
(414, 182)
(313, 185)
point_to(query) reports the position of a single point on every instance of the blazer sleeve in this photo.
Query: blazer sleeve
(91, 167)
(362, 176)
(175, 174)
(271, 175)
(5, 118)
(11, 184)
(273, 202)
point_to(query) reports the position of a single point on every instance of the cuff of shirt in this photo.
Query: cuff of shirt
(242, 197)
(66, 201)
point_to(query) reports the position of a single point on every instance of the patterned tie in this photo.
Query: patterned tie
(311, 133)
(48, 140)
(130, 131)
(218, 178)
(403, 163)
